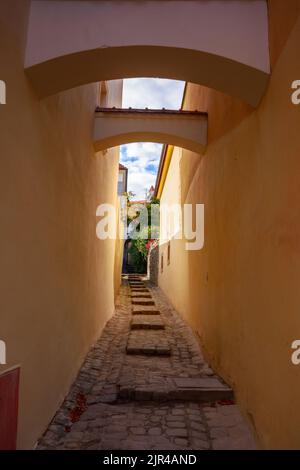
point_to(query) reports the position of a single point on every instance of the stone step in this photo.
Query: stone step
(140, 296)
(133, 277)
(138, 290)
(145, 310)
(202, 390)
(199, 389)
(147, 322)
(150, 343)
(139, 301)
(137, 284)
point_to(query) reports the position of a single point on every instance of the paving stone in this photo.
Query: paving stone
(178, 411)
(218, 432)
(197, 426)
(134, 391)
(155, 419)
(176, 417)
(144, 410)
(197, 434)
(160, 412)
(181, 441)
(176, 424)
(177, 432)
(154, 432)
(137, 431)
(200, 444)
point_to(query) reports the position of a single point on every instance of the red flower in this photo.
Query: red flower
(80, 408)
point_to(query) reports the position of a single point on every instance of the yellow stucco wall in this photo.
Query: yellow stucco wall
(241, 291)
(57, 279)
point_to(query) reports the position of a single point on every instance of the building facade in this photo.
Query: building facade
(240, 292)
(58, 280)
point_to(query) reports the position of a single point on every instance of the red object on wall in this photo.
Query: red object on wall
(9, 400)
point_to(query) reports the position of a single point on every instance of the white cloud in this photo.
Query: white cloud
(152, 93)
(142, 158)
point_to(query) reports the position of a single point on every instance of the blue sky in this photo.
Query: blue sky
(142, 158)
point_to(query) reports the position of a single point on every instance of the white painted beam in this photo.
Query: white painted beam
(114, 127)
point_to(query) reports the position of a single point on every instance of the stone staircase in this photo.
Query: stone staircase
(130, 395)
(149, 337)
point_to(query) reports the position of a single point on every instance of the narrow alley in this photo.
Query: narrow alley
(157, 137)
(145, 385)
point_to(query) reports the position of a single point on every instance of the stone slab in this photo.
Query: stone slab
(199, 390)
(202, 391)
(143, 290)
(139, 301)
(139, 289)
(185, 382)
(147, 322)
(137, 295)
(145, 310)
(150, 343)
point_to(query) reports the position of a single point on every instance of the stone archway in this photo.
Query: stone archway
(71, 43)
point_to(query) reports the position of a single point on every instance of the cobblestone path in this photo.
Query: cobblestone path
(145, 385)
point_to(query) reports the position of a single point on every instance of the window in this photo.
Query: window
(120, 188)
(122, 180)
(162, 263)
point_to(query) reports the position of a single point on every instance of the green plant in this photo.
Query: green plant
(140, 246)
